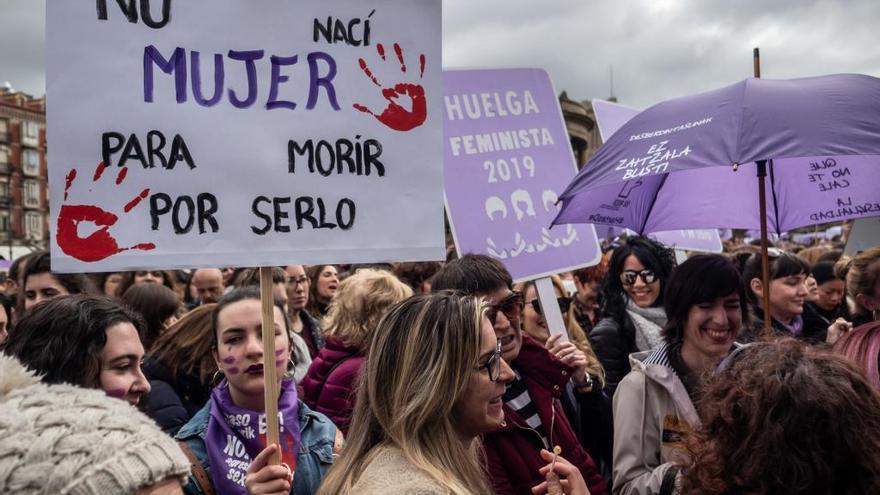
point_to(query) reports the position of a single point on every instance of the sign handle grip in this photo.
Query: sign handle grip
(270, 378)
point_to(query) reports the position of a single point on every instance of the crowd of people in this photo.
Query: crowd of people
(446, 378)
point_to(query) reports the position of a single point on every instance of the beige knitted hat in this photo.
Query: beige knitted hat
(62, 439)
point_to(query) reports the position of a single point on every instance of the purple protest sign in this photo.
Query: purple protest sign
(506, 159)
(609, 118)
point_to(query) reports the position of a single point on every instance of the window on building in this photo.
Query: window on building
(33, 225)
(4, 189)
(4, 128)
(31, 194)
(4, 222)
(30, 133)
(31, 129)
(4, 154)
(30, 162)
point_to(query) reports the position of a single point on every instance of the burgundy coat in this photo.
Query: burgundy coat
(330, 385)
(513, 452)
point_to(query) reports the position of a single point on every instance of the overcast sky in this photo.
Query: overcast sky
(658, 48)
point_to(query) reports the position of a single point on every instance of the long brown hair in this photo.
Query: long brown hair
(186, 345)
(784, 417)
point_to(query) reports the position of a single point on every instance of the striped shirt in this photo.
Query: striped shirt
(516, 396)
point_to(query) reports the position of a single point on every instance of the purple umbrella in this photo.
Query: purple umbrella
(704, 138)
(801, 191)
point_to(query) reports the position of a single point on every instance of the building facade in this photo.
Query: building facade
(24, 199)
(580, 121)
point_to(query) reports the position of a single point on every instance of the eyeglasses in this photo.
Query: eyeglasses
(628, 277)
(511, 306)
(297, 281)
(563, 302)
(493, 364)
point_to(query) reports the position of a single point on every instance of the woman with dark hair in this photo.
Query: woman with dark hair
(163, 277)
(829, 302)
(40, 284)
(784, 417)
(418, 274)
(632, 299)
(225, 435)
(107, 282)
(323, 282)
(180, 368)
(654, 405)
(788, 292)
(88, 341)
(157, 304)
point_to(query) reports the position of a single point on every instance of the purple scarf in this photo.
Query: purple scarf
(796, 325)
(236, 435)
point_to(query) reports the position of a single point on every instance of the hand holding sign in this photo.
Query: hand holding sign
(394, 115)
(100, 244)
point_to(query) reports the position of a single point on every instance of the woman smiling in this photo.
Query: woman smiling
(654, 404)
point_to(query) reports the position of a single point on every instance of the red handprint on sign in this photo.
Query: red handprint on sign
(394, 115)
(100, 244)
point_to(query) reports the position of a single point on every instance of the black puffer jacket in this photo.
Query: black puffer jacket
(172, 402)
(613, 341)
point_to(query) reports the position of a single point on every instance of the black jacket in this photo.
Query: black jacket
(613, 341)
(812, 332)
(590, 415)
(172, 402)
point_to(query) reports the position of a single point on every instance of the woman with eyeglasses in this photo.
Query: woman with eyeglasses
(588, 411)
(432, 383)
(654, 404)
(632, 311)
(788, 293)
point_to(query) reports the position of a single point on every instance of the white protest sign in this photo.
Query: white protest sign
(865, 234)
(230, 133)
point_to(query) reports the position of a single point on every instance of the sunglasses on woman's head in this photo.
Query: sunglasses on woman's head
(563, 302)
(628, 277)
(511, 306)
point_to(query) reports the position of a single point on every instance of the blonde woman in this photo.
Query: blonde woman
(863, 286)
(432, 383)
(587, 409)
(361, 301)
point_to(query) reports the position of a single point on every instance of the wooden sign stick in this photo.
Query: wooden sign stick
(270, 378)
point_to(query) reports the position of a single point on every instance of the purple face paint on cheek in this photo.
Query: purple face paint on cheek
(232, 370)
(279, 362)
(279, 352)
(116, 393)
(228, 360)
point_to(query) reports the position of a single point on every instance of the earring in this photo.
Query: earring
(214, 377)
(291, 363)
